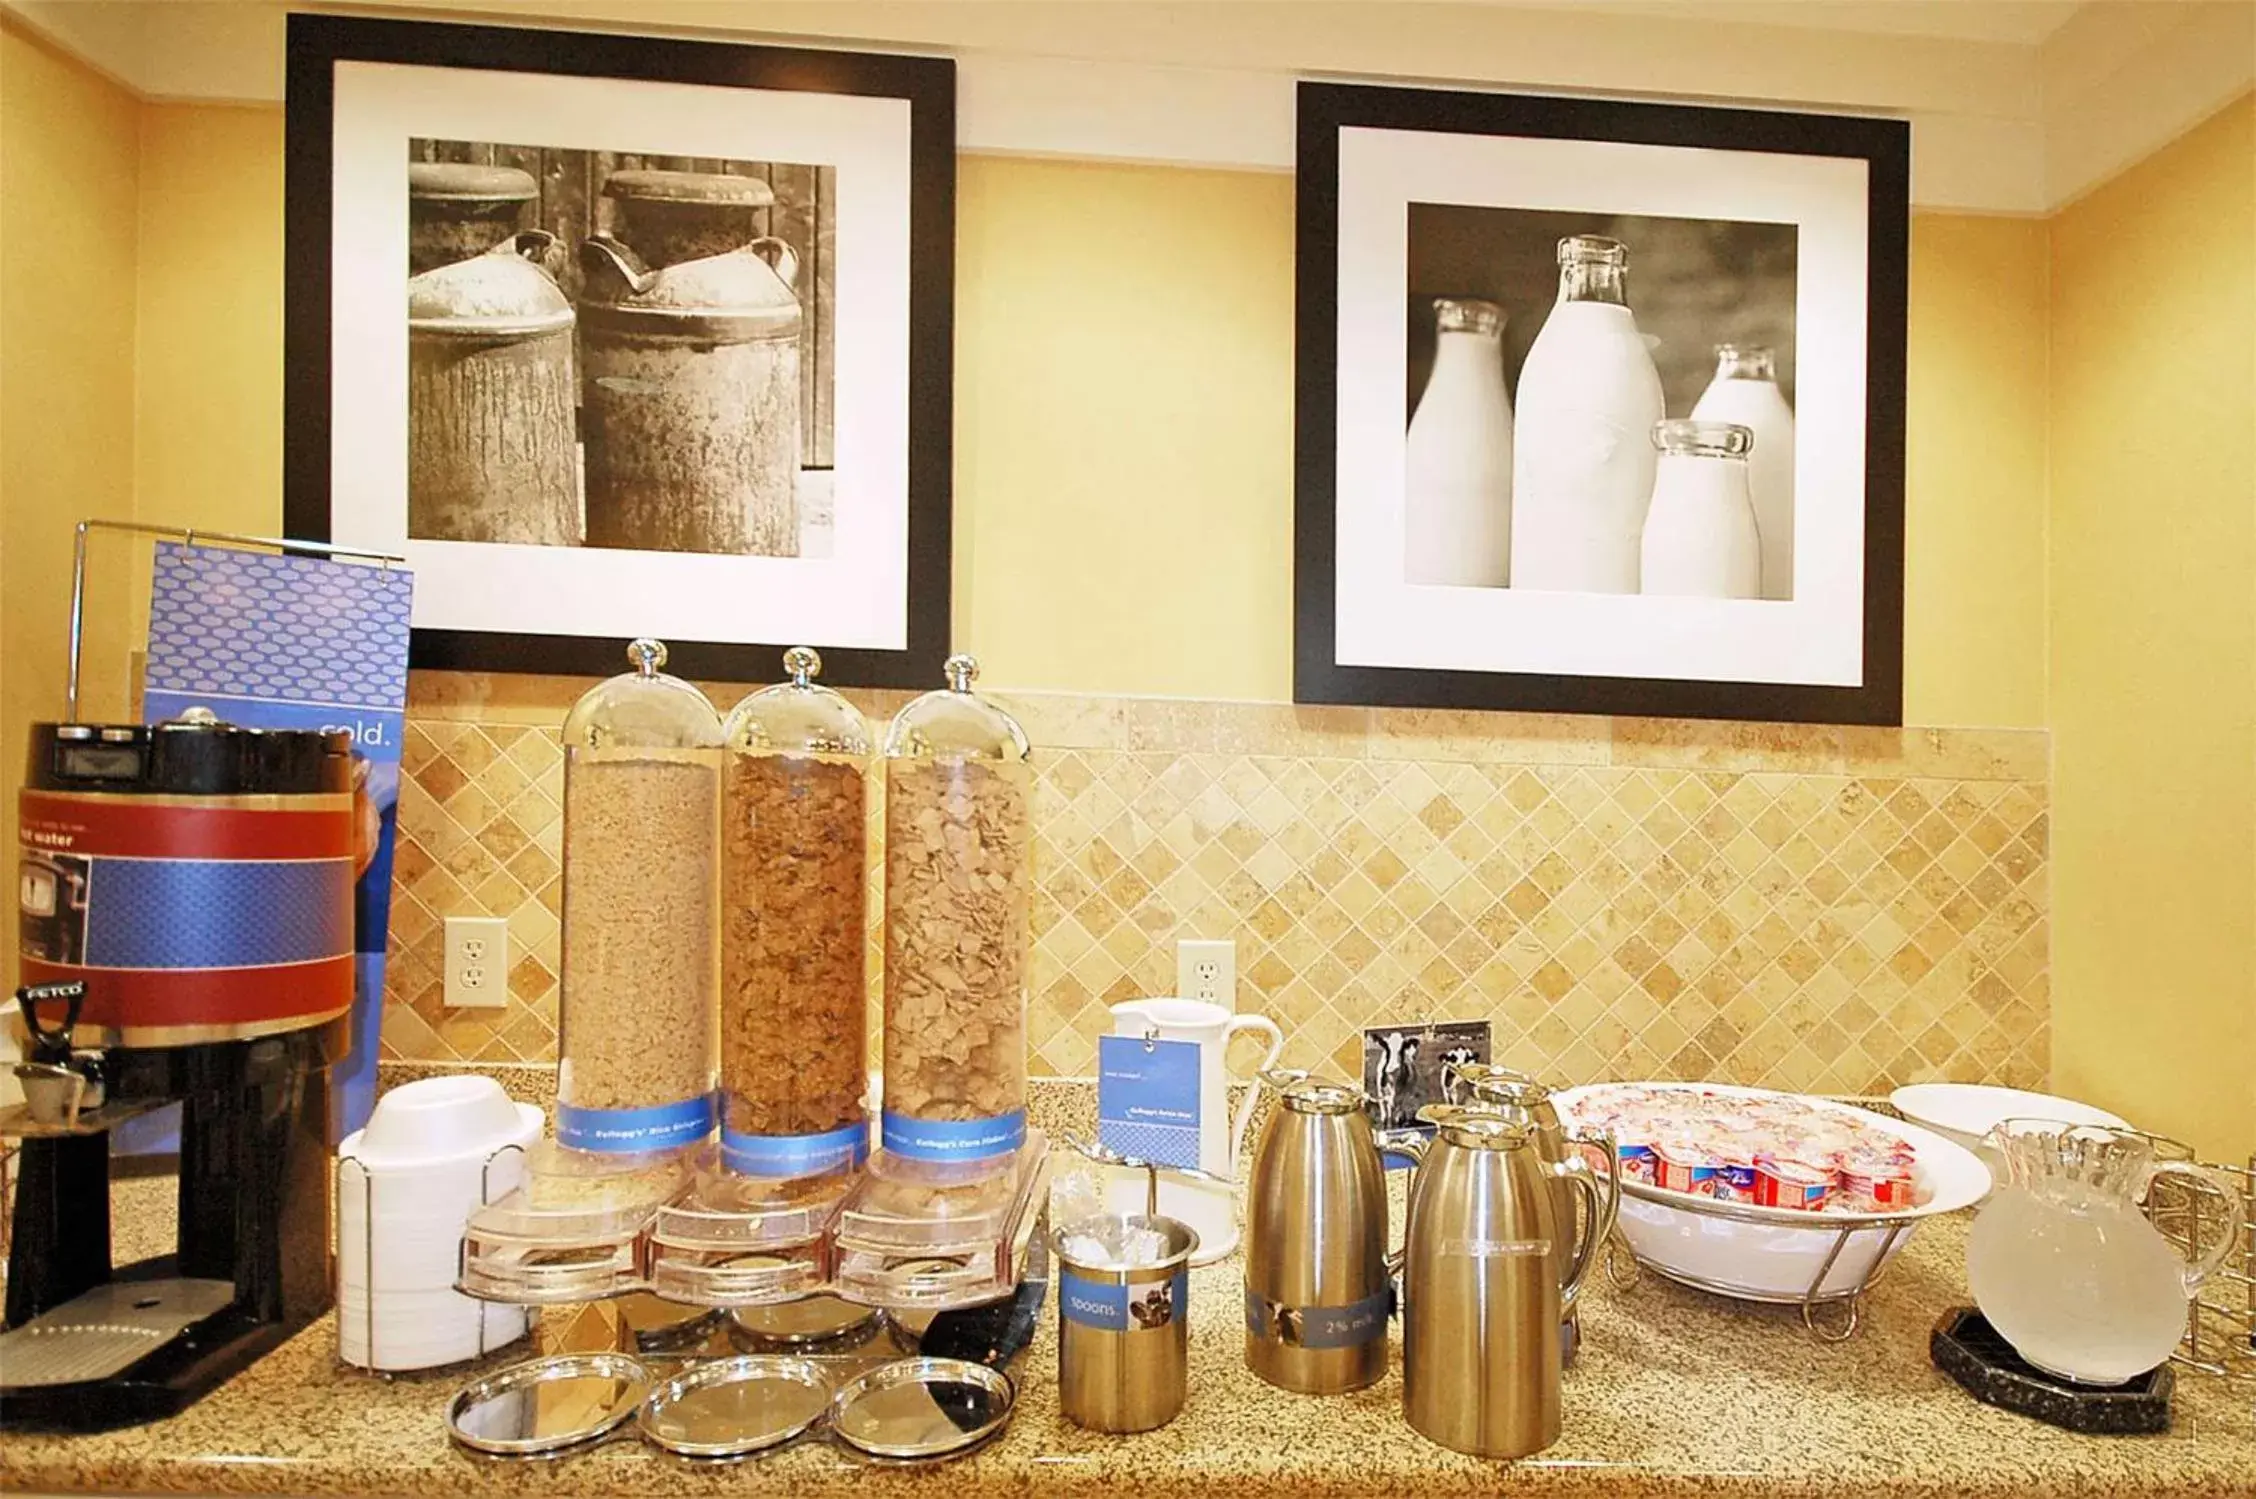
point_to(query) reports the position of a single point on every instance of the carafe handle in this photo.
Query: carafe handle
(1577, 1172)
(1250, 1024)
(1413, 1144)
(2201, 1265)
(1602, 1222)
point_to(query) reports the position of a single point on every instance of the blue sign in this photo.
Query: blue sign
(633, 1131)
(953, 1139)
(795, 1155)
(1117, 1306)
(271, 641)
(1148, 1098)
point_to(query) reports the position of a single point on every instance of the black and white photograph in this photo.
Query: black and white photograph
(1541, 344)
(1600, 406)
(676, 356)
(615, 350)
(1407, 1067)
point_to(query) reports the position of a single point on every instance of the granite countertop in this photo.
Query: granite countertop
(1675, 1393)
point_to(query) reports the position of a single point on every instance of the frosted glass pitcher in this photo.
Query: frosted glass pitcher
(1209, 1207)
(2066, 1267)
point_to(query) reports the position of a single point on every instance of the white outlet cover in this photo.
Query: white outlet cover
(1207, 971)
(477, 962)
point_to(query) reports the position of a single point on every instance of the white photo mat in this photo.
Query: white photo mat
(1814, 639)
(856, 597)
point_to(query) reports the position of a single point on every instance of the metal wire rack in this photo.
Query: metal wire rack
(2220, 1338)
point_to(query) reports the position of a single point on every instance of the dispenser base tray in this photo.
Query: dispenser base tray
(1982, 1363)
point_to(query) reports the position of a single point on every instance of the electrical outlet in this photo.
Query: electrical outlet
(477, 962)
(1207, 971)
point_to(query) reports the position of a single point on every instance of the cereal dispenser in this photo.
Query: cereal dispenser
(635, 1014)
(794, 929)
(957, 886)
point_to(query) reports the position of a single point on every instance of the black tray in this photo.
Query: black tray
(1969, 1350)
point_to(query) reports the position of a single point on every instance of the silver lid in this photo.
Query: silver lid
(735, 1407)
(1303, 1094)
(797, 717)
(805, 1322)
(955, 723)
(922, 1408)
(547, 1406)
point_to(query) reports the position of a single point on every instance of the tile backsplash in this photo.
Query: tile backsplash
(1806, 907)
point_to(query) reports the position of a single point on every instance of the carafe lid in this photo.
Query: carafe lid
(643, 708)
(797, 717)
(1303, 1094)
(955, 723)
(1477, 1127)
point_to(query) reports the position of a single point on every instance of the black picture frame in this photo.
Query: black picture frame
(1883, 144)
(318, 42)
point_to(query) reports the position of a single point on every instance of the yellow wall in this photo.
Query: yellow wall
(69, 165)
(2153, 603)
(1974, 471)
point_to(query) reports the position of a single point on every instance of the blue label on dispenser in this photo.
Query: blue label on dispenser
(1119, 1306)
(1349, 1326)
(1148, 1098)
(632, 1131)
(795, 1155)
(953, 1139)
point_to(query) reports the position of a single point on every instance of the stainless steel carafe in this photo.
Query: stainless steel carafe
(1481, 1287)
(1520, 1097)
(1316, 1274)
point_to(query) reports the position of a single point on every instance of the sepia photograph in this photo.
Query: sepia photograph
(1545, 352)
(615, 350)
(674, 361)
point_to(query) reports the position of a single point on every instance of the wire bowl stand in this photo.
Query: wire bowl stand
(368, 1262)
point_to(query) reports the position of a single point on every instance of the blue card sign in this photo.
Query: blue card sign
(1148, 1098)
(281, 642)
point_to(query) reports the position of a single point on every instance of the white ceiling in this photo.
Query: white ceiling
(2021, 23)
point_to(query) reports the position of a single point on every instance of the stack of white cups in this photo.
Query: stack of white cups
(432, 1153)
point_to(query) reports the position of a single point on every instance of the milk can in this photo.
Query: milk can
(692, 400)
(490, 420)
(456, 209)
(670, 217)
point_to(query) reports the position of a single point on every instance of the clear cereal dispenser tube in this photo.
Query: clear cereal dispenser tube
(641, 949)
(958, 881)
(795, 929)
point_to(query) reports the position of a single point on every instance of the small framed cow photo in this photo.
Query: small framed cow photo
(1406, 1067)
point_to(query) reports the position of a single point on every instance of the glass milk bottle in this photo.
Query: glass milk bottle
(1745, 390)
(1582, 461)
(1457, 481)
(1700, 535)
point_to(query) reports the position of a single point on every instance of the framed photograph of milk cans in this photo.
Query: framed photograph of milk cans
(616, 336)
(1600, 407)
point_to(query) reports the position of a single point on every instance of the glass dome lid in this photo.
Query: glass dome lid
(643, 708)
(955, 723)
(797, 717)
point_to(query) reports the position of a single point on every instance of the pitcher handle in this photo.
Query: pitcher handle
(1263, 1025)
(2202, 1266)
(1578, 1173)
(1602, 1225)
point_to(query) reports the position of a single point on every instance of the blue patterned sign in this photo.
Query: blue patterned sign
(277, 642)
(1148, 1098)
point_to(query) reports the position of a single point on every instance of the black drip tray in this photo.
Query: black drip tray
(1969, 1350)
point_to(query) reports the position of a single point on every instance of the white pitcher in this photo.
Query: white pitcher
(1211, 1208)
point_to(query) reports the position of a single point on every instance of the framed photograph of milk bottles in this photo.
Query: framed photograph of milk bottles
(618, 336)
(1600, 407)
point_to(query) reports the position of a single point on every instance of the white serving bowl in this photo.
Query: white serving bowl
(1774, 1254)
(1964, 1112)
